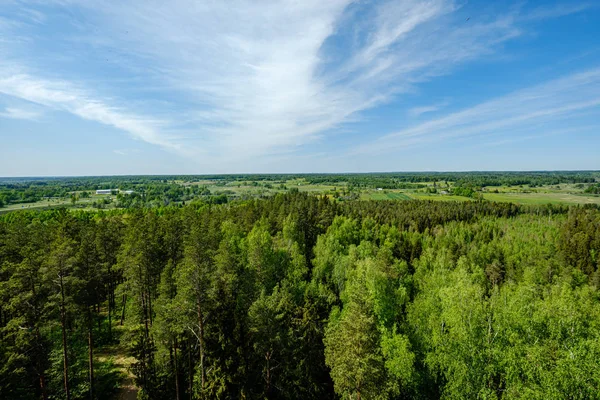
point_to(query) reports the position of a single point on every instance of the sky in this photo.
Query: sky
(119, 87)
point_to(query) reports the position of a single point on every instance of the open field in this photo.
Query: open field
(438, 197)
(154, 191)
(542, 198)
(43, 204)
(244, 191)
(54, 202)
(381, 195)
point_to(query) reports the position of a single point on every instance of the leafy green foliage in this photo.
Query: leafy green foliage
(299, 296)
(593, 189)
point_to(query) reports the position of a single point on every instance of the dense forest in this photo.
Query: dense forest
(302, 297)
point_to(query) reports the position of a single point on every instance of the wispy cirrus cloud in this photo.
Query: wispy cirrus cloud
(231, 81)
(257, 75)
(418, 111)
(558, 10)
(63, 96)
(537, 107)
(21, 113)
(126, 152)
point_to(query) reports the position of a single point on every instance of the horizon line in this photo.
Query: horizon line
(303, 173)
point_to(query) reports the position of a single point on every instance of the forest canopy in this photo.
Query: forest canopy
(301, 297)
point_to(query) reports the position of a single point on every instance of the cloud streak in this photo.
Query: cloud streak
(237, 80)
(20, 113)
(418, 111)
(63, 96)
(540, 105)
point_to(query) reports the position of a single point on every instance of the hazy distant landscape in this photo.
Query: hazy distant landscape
(572, 187)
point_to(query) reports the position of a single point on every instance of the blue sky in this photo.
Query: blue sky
(190, 87)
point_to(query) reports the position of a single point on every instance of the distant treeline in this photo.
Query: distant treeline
(506, 177)
(396, 180)
(144, 194)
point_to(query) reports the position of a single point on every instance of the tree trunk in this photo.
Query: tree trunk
(176, 369)
(268, 358)
(145, 312)
(149, 306)
(123, 313)
(145, 340)
(64, 339)
(40, 368)
(43, 386)
(109, 319)
(190, 370)
(99, 320)
(201, 340)
(91, 354)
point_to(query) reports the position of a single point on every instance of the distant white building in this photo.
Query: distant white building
(111, 191)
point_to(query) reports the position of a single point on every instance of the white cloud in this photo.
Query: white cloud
(64, 96)
(260, 72)
(20, 113)
(418, 111)
(546, 134)
(125, 152)
(540, 105)
(556, 11)
(258, 78)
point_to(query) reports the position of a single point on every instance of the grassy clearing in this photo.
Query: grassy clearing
(542, 198)
(438, 197)
(39, 205)
(51, 203)
(387, 196)
(116, 357)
